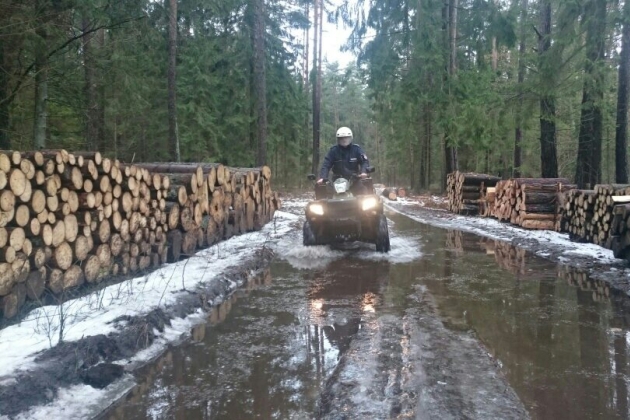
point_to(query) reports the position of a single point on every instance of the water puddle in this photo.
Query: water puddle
(560, 339)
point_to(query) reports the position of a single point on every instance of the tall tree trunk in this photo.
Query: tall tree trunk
(91, 103)
(260, 81)
(495, 55)
(41, 91)
(100, 92)
(307, 33)
(548, 150)
(173, 135)
(316, 109)
(5, 143)
(621, 135)
(589, 157)
(450, 151)
(518, 132)
(41, 80)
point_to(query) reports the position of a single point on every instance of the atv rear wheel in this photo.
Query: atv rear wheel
(308, 236)
(382, 235)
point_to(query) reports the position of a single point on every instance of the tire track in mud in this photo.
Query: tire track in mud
(412, 366)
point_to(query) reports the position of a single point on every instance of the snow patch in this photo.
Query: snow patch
(494, 229)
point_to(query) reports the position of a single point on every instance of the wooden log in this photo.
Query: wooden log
(104, 231)
(388, 193)
(17, 236)
(36, 284)
(7, 200)
(12, 303)
(58, 233)
(538, 224)
(62, 256)
(7, 278)
(7, 254)
(104, 254)
(539, 197)
(17, 182)
(22, 215)
(116, 244)
(55, 281)
(21, 267)
(174, 239)
(92, 268)
(82, 247)
(73, 277)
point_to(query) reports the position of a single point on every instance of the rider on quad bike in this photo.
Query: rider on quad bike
(346, 210)
(345, 159)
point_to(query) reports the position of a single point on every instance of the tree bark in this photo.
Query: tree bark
(518, 132)
(450, 151)
(260, 80)
(4, 101)
(41, 96)
(589, 157)
(621, 135)
(548, 149)
(91, 127)
(173, 136)
(316, 99)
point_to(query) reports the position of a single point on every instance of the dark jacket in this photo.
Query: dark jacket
(344, 162)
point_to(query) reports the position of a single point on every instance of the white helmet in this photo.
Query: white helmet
(344, 137)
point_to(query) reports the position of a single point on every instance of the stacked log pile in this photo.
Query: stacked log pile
(590, 215)
(619, 238)
(68, 219)
(531, 203)
(465, 191)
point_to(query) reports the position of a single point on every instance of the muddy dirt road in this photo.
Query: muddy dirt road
(448, 326)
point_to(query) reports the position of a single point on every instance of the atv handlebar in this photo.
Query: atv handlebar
(369, 170)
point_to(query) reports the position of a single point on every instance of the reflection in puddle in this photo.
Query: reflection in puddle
(266, 355)
(560, 336)
(514, 260)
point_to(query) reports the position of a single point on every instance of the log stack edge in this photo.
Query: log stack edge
(600, 216)
(68, 219)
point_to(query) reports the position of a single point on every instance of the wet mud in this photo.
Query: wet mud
(452, 326)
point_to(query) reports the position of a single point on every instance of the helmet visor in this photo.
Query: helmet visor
(344, 141)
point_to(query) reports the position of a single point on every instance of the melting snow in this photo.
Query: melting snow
(93, 314)
(494, 229)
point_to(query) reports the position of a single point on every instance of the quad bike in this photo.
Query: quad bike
(338, 216)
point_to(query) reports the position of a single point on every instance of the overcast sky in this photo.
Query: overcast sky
(333, 38)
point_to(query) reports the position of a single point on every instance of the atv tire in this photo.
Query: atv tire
(382, 235)
(308, 236)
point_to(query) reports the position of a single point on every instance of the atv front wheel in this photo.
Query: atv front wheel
(382, 235)
(308, 236)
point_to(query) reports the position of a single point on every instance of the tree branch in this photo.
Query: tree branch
(537, 33)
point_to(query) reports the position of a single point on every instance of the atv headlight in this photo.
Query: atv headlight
(369, 203)
(317, 209)
(341, 185)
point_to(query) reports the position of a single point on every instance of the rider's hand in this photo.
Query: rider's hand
(363, 176)
(320, 181)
